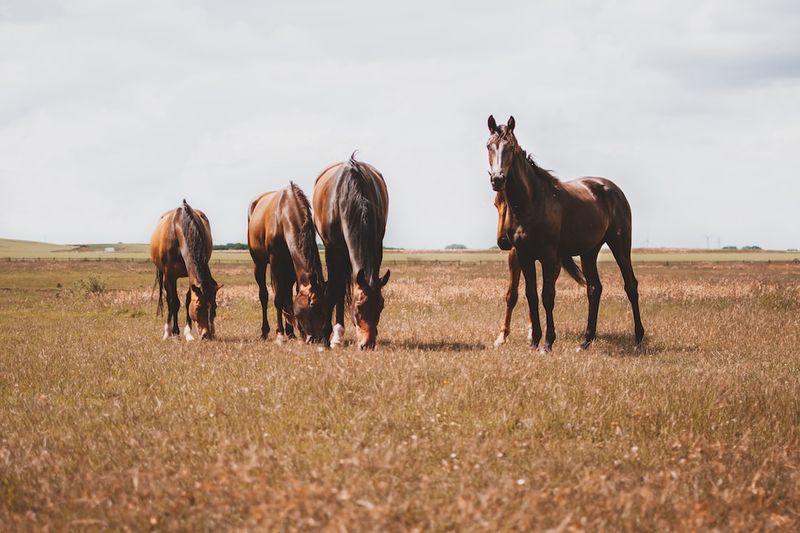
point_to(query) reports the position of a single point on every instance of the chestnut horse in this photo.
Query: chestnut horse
(550, 221)
(280, 232)
(350, 209)
(181, 247)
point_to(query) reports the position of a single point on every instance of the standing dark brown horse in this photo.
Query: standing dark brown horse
(350, 209)
(180, 247)
(551, 221)
(280, 232)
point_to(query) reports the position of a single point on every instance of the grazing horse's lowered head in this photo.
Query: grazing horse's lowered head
(202, 305)
(308, 308)
(367, 306)
(502, 146)
(203, 308)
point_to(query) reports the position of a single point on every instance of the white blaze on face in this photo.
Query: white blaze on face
(497, 164)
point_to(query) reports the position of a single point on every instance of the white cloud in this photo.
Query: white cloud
(112, 112)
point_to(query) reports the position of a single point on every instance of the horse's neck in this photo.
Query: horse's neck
(363, 255)
(304, 263)
(527, 188)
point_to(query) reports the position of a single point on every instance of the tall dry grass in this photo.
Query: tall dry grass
(103, 425)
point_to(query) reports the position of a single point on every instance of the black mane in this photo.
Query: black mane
(360, 214)
(196, 244)
(308, 237)
(542, 173)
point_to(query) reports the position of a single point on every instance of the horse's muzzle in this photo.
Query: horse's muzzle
(504, 243)
(498, 182)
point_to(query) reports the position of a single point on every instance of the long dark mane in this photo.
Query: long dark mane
(360, 214)
(194, 234)
(542, 173)
(308, 237)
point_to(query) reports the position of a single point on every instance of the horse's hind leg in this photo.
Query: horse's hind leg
(593, 291)
(187, 330)
(171, 328)
(621, 248)
(260, 271)
(512, 295)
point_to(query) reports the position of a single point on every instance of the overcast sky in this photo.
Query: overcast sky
(112, 112)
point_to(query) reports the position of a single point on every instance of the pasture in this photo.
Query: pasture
(104, 425)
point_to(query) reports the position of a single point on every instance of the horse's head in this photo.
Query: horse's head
(309, 310)
(203, 308)
(504, 222)
(367, 307)
(502, 146)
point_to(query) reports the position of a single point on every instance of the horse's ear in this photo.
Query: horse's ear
(385, 278)
(511, 123)
(492, 124)
(361, 279)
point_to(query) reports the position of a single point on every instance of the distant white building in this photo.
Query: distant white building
(109, 249)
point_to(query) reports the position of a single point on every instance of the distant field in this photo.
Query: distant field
(19, 250)
(104, 426)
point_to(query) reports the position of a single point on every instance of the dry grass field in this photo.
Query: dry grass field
(105, 426)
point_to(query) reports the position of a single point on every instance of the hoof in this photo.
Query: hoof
(499, 341)
(584, 345)
(187, 332)
(280, 338)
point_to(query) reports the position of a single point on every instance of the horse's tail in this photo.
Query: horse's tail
(573, 269)
(160, 282)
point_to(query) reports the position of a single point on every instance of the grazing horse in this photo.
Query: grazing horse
(350, 209)
(181, 247)
(549, 220)
(280, 232)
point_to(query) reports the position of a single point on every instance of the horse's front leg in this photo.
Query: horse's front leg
(551, 268)
(528, 266)
(512, 295)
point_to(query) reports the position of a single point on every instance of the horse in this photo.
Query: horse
(280, 232)
(551, 221)
(514, 270)
(351, 205)
(180, 247)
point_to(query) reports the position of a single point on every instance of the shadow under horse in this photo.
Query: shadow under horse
(542, 218)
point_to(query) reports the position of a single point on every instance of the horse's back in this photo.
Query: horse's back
(328, 204)
(261, 225)
(167, 240)
(601, 204)
(163, 239)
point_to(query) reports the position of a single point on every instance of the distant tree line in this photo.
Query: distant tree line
(231, 246)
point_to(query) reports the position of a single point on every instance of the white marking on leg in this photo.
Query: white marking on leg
(187, 332)
(500, 340)
(530, 333)
(166, 332)
(280, 338)
(338, 335)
